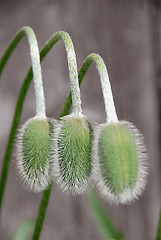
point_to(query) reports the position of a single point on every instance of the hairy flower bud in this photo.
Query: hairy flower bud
(121, 161)
(73, 163)
(34, 151)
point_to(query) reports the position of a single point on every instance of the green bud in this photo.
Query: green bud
(73, 165)
(122, 162)
(34, 153)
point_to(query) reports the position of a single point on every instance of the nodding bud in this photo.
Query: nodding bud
(34, 151)
(120, 162)
(73, 161)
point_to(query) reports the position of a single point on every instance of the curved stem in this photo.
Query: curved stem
(72, 66)
(25, 86)
(105, 84)
(65, 110)
(16, 119)
(35, 59)
(11, 46)
(37, 76)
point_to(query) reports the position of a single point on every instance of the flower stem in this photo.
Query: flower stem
(72, 66)
(37, 76)
(16, 119)
(65, 110)
(36, 67)
(105, 84)
(42, 212)
(24, 89)
(12, 135)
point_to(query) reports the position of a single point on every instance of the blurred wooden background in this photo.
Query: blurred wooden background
(127, 34)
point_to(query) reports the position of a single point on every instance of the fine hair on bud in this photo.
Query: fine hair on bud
(120, 162)
(35, 149)
(72, 166)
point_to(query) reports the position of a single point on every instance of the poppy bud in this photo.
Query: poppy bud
(122, 165)
(74, 145)
(34, 151)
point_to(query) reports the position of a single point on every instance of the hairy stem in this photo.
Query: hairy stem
(16, 119)
(72, 66)
(36, 67)
(105, 84)
(65, 110)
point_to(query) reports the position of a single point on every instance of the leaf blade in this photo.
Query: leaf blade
(106, 226)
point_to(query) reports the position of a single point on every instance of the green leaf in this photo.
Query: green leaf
(24, 231)
(106, 226)
(159, 228)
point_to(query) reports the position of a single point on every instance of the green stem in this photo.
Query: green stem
(15, 123)
(12, 45)
(65, 110)
(16, 119)
(105, 84)
(35, 59)
(42, 212)
(72, 66)
(159, 228)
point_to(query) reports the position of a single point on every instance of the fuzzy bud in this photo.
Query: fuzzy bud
(34, 151)
(73, 163)
(120, 162)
